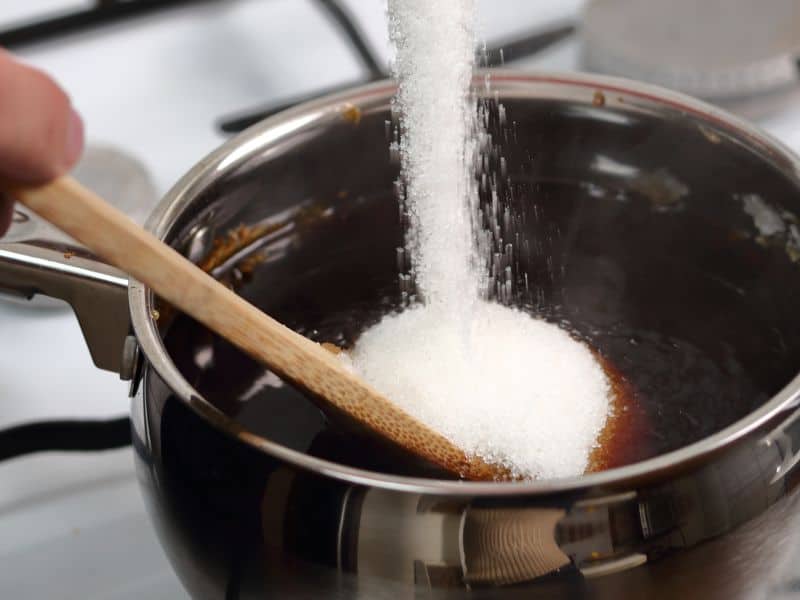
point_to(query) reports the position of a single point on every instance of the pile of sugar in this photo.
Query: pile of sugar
(523, 393)
(498, 383)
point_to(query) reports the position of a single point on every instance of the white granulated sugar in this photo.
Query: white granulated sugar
(522, 393)
(497, 382)
(435, 44)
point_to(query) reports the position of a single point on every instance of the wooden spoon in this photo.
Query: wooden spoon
(114, 237)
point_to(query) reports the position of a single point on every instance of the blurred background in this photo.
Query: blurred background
(162, 83)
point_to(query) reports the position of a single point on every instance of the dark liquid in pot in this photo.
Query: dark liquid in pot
(664, 298)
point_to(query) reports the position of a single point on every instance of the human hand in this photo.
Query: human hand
(41, 135)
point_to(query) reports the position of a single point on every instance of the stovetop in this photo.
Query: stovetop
(156, 88)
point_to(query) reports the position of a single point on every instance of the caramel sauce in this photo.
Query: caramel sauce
(622, 436)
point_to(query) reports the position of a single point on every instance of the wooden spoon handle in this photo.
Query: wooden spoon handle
(114, 237)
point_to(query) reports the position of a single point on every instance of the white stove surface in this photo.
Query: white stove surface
(73, 526)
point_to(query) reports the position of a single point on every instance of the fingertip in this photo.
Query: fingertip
(41, 135)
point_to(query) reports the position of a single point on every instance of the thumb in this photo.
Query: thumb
(41, 136)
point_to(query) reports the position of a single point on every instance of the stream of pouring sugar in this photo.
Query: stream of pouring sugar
(500, 384)
(435, 44)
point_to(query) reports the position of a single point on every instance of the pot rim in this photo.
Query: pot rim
(273, 130)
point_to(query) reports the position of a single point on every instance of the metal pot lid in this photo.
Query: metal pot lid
(714, 49)
(112, 173)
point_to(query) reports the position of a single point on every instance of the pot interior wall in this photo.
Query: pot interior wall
(637, 231)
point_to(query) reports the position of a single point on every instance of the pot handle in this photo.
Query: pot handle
(37, 260)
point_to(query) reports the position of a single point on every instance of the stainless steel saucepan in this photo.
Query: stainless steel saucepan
(660, 230)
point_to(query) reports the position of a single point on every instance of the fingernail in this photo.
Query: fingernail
(74, 145)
